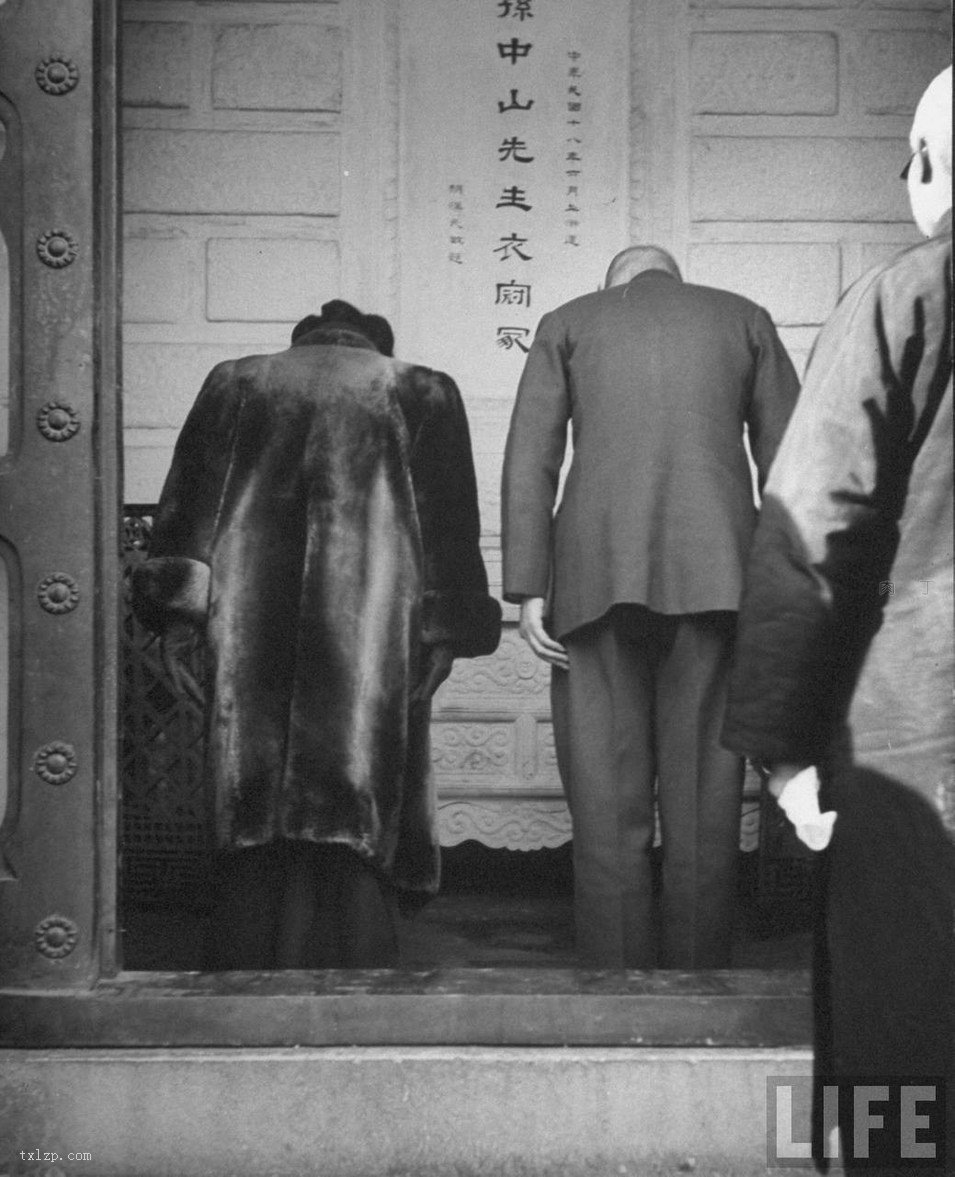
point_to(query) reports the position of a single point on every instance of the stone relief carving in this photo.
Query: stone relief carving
(480, 749)
(55, 936)
(547, 750)
(57, 248)
(512, 670)
(55, 763)
(536, 824)
(505, 825)
(58, 593)
(57, 75)
(57, 422)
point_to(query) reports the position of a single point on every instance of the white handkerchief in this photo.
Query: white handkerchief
(799, 800)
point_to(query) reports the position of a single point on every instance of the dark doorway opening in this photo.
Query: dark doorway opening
(496, 908)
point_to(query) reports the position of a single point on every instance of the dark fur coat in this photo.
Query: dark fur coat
(319, 525)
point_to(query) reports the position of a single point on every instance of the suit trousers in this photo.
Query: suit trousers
(637, 719)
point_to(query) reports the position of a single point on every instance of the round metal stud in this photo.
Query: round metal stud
(57, 422)
(57, 75)
(58, 593)
(56, 936)
(55, 763)
(56, 248)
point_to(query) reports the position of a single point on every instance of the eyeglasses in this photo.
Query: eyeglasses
(926, 164)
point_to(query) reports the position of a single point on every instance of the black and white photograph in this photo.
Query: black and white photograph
(477, 620)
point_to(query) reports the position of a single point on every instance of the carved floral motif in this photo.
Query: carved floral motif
(57, 422)
(56, 249)
(56, 75)
(55, 763)
(56, 936)
(58, 593)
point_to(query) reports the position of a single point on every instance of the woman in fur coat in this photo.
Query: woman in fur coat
(319, 528)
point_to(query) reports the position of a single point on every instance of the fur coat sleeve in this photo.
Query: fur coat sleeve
(174, 588)
(457, 608)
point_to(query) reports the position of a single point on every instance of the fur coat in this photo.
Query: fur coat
(319, 527)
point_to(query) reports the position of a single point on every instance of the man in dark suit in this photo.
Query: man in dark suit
(642, 565)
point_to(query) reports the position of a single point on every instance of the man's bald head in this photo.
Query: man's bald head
(932, 124)
(637, 258)
(929, 175)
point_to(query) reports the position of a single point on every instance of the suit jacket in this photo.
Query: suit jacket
(320, 524)
(659, 378)
(846, 628)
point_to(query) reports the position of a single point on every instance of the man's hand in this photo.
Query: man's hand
(533, 632)
(438, 661)
(798, 797)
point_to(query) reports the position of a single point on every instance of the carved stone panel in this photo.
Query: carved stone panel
(512, 671)
(472, 753)
(505, 825)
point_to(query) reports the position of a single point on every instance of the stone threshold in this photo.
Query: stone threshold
(499, 1007)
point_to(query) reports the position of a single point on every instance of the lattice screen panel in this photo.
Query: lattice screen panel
(164, 849)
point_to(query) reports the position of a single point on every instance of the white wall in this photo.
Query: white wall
(263, 150)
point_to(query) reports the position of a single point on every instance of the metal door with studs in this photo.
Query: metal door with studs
(59, 516)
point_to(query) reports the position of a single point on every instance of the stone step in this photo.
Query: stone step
(393, 1111)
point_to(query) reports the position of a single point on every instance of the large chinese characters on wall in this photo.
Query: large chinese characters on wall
(513, 197)
(514, 174)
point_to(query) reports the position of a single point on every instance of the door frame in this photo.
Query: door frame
(62, 984)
